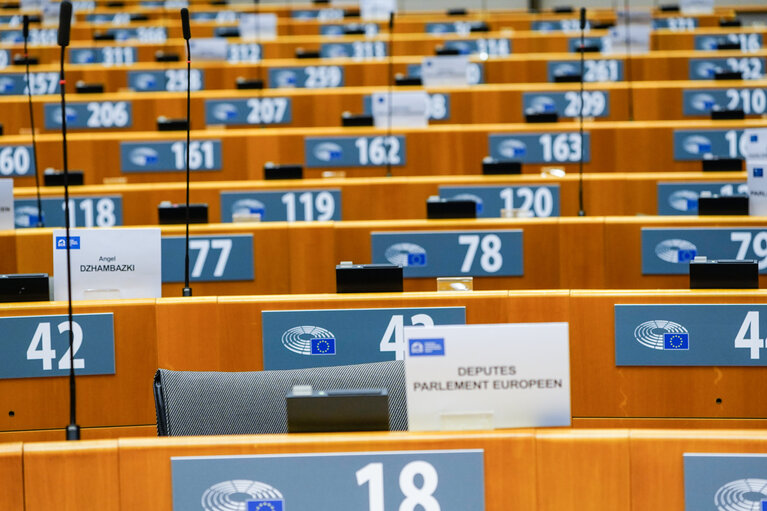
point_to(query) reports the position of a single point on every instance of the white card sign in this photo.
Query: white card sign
(408, 109)
(631, 33)
(757, 187)
(696, 6)
(6, 205)
(445, 70)
(377, 10)
(108, 263)
(753, 144)
(487, 376)
(208, 48)
(258, 26)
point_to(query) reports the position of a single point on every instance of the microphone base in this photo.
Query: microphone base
(581, 213)
(187, 291)
(73, 432)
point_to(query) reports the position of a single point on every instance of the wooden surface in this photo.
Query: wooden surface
(11, 474)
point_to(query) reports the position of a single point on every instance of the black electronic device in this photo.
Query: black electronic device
(54, 178)
(728, 75)
(104, 36)
(733, 23)
(722, 165)
(320, 2)
(174, 214)
(338, 410)
(479, 26)
(443, 50)
(726, 115)
(139, 17)
(115, 4)
(368, 278)
(89, 88)
(303, 53)
(350, 120)
(166, 56)
(492, 167)
(22, 60)
(219, 2)
(166, 124)
(602, 25)
(567, 78)
(402, 80)
(354, 30)
(457, 11)
(1, 130)
(728, 45)
(352, 12)
(587, 48)
(541, 117)
(228, 32)
(441, 208)
(724, 274)
(9, 6)
(248, 83)
(286, 171)
(24, 287)
(563, 9)
(669, 8)
(723, 205)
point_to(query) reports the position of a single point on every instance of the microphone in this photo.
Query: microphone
(65, 19)
(581, 211)
(25, 33)
(626, 7)
(391, 83)
(187, 291)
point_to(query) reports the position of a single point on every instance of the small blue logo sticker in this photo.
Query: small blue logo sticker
(61, 242)
(758, 172)
(427, 347)
(676, 341)
(323, 346)
(265, 505)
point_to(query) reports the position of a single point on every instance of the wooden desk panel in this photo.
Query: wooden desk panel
(12, 476)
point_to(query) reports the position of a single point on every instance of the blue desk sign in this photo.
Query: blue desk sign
(689, 335)
(107, 55)
(211, 258)
(669, 251)
(16, 160)
(747, 42)
(488, 47)
(217, 16)
(561, 147)
(141, 34)
(699, 102)
(438, 107)
(309, 77)
(692, 145)
(574, 43)
(541, 200)
(334, 30)
(475, 72)
(725, 481)
(91, 115)
(595, 70)
(451, 253)
(170, 156)
(119, 18)
(284, 206)
(682, 198)
(37, 36)
(567, 104)
(5, 58)
(317, 338)
(11, 21)
(752, 68)
(569, 25)
(38, 346)
(90, 211)
(359, 50)
(243, 52)
(172, 80)
(675, 24)
(449, 480)
(456, 27)
(317, 14)
(14, 84)
(250, 111)
(363, 151)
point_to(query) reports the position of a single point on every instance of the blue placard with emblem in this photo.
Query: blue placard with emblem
(567, 25)
(595, 70)
(682, 198)
(541, 200)
(448, 480)
(702, 144)
(747, 42)
(118, 18)
(11, 21)
(358, 50)
(438, 107)
(172, 80)
(719, 482)
(751, 68)
(334, 30)
(13, 84)
(456, 27)
(355, 336)
(699, 102)
(225, 257)
(90, 211)
(308, 77)
(596, 103)
(243, 52)
(475, 72)
(477, 253)
(105, 55)
(249, 111)
(16, 160)
(170, 156)
(90, 115)
(675, 23)
(38, 346)
(218, 16)
(142, 34)
(362, 151)
(37, 36)
(574, 43)
(689, 335)
(489, 47)
(283, 206)
(331, 14)
(669, 251)
(540, 147)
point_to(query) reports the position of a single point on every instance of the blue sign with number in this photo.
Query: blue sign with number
(16, 160)
(357, 336)
(692, 145)
(170, 156)
(475, 72)
(364, 151)
(689, 335)
(461, 27)
(540, 147)
(250, 111)
(317, 14)
(92, 115)
(567, 104)
(491, 47)
(747, 42)
(309, 77)
(119, 18)
(594, 70)
(568, 25)
(669, 251)
(451, 253)
(171, 80)
(725, 481)
(211, 258)
(682, 198)
(13, 84)
(144, 34)
(38, 346)
(37, 36)
(675, 23)
(540, 200)
(118, 55)
(91, 211)
(698, 102)
(438, 107)
(446, 480)
(283, 206)
(357, 50)
(11, 21)
(371, 29)
(751, 68)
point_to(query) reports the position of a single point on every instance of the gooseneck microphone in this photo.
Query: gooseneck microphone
(187, 35)
(391, 86)
(581, 211)
(65, 19)
(627, 24)
(25, 33)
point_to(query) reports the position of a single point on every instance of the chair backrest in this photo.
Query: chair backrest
(219, 403)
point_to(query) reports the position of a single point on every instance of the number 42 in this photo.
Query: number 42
(40, 346)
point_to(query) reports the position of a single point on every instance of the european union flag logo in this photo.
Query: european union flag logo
(758, 172)
(418, 259)
(323, 346)
(265, 505)
(676, 341)
(764, 505)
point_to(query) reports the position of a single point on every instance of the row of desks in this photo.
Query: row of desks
(224, 334)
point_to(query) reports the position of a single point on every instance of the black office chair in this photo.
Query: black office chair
(219, 403)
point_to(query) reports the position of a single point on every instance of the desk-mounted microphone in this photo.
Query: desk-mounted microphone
(25, 34)
(187, 291)
(581, 211)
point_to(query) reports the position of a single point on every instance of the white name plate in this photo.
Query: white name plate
(408, 109)
(757, 187)
(6, 204)
(258, 26)
(208, 48)
(487, 376)
(377, 10)
(445, 70)
(753, 144)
